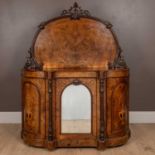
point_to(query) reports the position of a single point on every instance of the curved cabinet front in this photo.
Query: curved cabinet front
(117, 97)
(33, 127)
(42, 108)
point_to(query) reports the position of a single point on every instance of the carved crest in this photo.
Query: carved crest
(75, 12)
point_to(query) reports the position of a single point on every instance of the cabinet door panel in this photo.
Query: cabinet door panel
(74, 139)
(117, 106)
(33, 107)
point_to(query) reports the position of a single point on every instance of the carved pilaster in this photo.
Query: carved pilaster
(102, 130)
(50, 128)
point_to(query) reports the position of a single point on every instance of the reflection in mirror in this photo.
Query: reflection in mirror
(76, 109)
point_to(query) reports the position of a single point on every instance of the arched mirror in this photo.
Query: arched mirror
(76, 109)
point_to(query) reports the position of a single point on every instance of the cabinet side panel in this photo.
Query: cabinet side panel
(117, 106)
(32, 105)
(34, 110)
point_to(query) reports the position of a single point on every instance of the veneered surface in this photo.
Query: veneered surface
(117, 102)
(33, 91)
(66, 43)
(42, 99)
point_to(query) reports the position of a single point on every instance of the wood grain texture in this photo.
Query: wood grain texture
(42, 108)
(142, 142)
(34, 110)
(117, 105)
(66, 43)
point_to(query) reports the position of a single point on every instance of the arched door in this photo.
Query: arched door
(76, 109)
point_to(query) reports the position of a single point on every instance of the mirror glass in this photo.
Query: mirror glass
(76, 109)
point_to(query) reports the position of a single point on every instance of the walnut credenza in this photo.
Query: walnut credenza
(75, 49)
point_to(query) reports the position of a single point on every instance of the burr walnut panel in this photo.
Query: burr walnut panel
(66, 43)
(34, 107)
(117, 105)
(31, 111)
